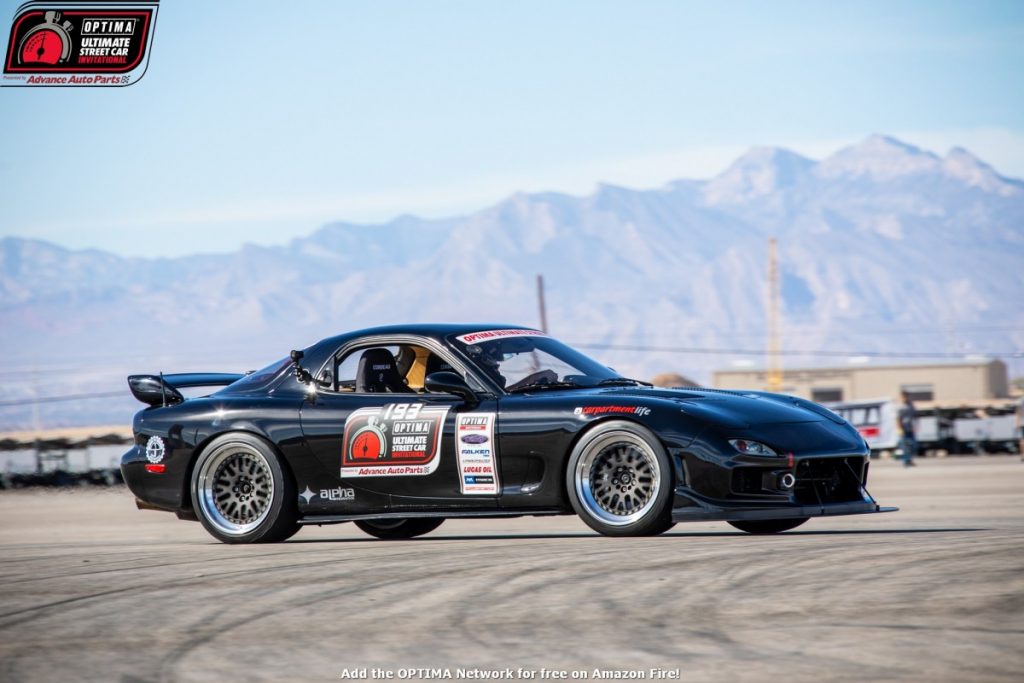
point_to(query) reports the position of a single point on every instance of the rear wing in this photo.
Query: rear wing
(162, 390)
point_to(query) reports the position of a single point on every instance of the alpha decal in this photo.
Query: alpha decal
(474, 439)
(338, 493)
(400, 439)
(590, 411)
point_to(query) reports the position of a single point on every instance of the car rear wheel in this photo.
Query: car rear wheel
(392, 529)
(768, 526)
(241, 493)
(620, 480)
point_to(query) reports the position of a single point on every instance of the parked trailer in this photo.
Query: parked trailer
(987, 431)
(982, 426)
(875, 419)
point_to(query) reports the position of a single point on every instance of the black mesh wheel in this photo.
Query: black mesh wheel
(619, 480)
(241, 493)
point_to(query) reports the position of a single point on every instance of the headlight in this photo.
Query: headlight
(751, 447)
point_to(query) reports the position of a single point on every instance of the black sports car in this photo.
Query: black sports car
(398, 428)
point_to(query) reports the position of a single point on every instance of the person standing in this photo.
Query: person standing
(908, 442)
(1020, 427)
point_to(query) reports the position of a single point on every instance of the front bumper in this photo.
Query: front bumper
(755, 488)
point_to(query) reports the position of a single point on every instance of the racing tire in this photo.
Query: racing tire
(398, 529)
(619, 480)
(768, 526)
(241, 492)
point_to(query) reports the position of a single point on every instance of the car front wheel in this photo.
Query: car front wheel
(620, 480)
(241, 493)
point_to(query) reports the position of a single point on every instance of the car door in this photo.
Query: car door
(404, 450)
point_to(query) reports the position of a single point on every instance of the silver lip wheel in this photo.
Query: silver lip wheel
(235, 488)
(618, 478)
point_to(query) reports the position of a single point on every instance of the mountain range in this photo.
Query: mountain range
(882, 247)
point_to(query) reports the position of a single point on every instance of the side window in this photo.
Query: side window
(389, 369)
(381, 371)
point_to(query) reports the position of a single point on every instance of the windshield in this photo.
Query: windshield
(521, 359)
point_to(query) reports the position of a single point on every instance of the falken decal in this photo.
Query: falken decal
(474, 434)
(399, 439)
(591, 411)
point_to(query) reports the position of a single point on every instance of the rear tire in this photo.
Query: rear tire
(768, 526)
(397, 529)
(241, 493)
(619, 479)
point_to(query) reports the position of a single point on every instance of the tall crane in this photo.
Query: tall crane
(774, 358)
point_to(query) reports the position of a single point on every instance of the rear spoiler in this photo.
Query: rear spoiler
(162, 390)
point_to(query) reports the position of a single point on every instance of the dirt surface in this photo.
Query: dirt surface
(92, 589)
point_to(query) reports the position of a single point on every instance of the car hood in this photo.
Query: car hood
(736, 409)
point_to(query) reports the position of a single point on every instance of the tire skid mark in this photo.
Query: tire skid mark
(160, 585)
(210, 633)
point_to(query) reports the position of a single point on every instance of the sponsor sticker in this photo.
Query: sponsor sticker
(487, 335)
(591, 411)
(155, 450)
(338, 494)
(79, 43)
(474, 439)
(399, 439)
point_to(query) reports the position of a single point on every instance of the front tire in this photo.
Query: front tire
(241, 493)
(397, 529)
(768, 526)
(619, 479)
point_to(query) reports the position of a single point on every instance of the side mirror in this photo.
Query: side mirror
(450, 383)
(301, 373)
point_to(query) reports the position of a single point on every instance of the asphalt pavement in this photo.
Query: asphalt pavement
(92, 589)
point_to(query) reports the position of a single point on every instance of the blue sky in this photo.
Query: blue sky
(259, 122)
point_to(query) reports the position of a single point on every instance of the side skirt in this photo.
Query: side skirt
(447, 514)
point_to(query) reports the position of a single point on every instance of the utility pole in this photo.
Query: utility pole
(774, 358)
(540, 304)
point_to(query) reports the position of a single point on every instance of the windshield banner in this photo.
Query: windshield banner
(488, 335)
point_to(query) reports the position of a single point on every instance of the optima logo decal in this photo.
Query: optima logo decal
(79, 43)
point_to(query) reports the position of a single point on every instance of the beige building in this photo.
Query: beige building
(941, 382)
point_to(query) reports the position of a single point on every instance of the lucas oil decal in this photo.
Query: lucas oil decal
(400, 439)
(474, 441)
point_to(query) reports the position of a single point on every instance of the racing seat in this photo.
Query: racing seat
(378, 373)
(437, 364)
